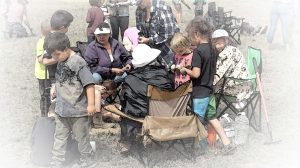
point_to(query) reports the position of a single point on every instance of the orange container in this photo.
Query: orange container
(212, 136)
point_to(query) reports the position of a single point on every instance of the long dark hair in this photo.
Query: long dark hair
(204, 28)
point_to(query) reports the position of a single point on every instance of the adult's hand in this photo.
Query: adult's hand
(143, 40)
(127, 67)
(117, 71)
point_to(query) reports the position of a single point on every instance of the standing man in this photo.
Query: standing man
(199, 7)
(283, 11)
(119, 16)
(157, 25)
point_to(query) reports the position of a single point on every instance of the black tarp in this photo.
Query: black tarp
(135, 88)
(135, 100)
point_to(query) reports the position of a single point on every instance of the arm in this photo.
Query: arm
(46, 61)
(92, 59)
(40, 52)
(25, 20)
(126, 3)
(90, 94)
(194, 73)
(88, 18)
(224, 63)
(125, 56)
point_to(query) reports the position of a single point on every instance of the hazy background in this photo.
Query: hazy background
(19, 97)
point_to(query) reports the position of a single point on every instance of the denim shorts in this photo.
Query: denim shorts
(205, 107)
(200, 106)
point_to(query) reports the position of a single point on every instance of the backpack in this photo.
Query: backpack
(42, 140)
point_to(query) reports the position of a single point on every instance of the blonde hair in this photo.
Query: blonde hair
(46, 27)
(179, 41)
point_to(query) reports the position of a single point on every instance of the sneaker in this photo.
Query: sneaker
(228, 149)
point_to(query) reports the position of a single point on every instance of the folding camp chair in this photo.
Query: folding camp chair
(229, 23)
(253, 103)
(168, 122)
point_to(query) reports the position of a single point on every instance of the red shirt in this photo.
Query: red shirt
(94, 17)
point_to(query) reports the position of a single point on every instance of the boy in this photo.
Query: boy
(60, 22)
(75, 93)
(40, 70)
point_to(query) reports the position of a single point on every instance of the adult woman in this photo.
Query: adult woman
(119, 16)
(107, 57)
(230, 63)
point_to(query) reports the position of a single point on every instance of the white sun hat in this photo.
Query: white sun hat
(220, 33)
(103, 30)
(142, 55)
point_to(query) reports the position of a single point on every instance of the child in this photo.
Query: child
(94, 18)
(130, 40)
(75, 96)
(60, 22)
(102, 92)
(180, 44)
(230, 63)
(202, 73)
(40, 70)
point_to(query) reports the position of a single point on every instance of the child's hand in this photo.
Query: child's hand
(183, 70)
(173, 67)
(101, 88)
(53, 92)
(91, 110)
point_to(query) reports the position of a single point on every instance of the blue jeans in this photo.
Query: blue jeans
(282, 11)
(98, 78)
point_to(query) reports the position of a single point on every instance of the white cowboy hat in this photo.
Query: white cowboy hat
(142, 55)
(220, 33)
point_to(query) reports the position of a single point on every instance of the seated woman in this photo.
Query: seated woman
(107, 57)
(146, 72)
(230, 63)
(130, 39)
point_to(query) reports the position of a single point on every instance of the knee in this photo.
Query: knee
(97, 78)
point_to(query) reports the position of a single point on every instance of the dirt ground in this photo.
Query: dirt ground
(19, 100)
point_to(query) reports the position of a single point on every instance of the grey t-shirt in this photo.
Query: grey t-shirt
(71, 78)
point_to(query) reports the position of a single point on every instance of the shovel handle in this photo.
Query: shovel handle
(255, 65)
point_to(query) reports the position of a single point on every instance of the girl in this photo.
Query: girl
(180, 44)
(199, 31)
